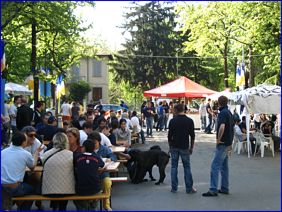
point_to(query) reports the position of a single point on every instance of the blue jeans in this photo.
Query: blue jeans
(21, 190)
(208, 128)
(160, 124)
(185, 157)
(203, 122)
(149, 125)
(220, 164)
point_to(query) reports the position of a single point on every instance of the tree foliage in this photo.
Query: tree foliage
(149, 57)
(78, 90)
(225, 28)
(57, 32)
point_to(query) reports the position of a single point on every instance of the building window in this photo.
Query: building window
(97, 93)
(97, 69)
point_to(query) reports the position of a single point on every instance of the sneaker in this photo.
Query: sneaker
(193, 191)
(209, 194)
(173, 191)
(108, 209)
(223, 192)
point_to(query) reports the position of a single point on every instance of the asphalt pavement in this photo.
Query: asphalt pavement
(254, 183)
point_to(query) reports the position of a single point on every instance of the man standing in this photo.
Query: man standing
(13, 113)
(181, 128)
(203, 112)
(224, 138)
(209, 113)
(149, 112)
(66, 111)
(24, 115)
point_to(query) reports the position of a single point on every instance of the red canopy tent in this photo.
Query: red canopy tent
(182, 87)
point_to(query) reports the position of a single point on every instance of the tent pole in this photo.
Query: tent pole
(248, 133)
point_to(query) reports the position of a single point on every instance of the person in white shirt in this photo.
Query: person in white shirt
(203, 114)
(13, 113)
(66, 111)
(105, 141)
(87, 129)
(32, 142)
(136, 126)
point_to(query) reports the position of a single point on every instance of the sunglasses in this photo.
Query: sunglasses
(31, 135)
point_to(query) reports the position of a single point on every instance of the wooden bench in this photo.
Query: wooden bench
(119, 179)
(100, 197)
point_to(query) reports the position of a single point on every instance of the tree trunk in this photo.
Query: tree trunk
(33, 60)
(252, 76)
(225, 66)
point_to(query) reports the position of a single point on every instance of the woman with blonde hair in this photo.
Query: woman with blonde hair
(74, 139)
(58, 172)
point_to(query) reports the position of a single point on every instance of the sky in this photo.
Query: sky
(106, 16)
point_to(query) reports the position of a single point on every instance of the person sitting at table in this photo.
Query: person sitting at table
(87, 176)
(74, 139)
(102, 122)
(32, 142)
(123, 134)
(58, 172)
(105, 141)
(50, 129)
(267, 129)
(108, 132)
(103, 152)
(87, 128)
(33, 178)
(14, 161)
(242, 136)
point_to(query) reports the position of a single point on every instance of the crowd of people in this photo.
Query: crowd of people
(72, 155)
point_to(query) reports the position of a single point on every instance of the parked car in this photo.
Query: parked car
(113, 107)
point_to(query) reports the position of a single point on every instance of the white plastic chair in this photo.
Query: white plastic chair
(239, 145)
(263, 142)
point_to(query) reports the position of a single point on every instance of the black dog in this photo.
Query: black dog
(143, 162)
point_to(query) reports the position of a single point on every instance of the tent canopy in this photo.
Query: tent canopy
(182, 87)
(17, 89)
(259, 99)
(218, 94)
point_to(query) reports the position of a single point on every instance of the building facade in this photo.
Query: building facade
(95, 71)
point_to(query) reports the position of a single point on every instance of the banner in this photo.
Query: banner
(240, 75)
(60, 90)
(3, 59)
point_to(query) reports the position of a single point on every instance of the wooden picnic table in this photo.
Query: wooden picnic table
(116, 149)
(110, 167)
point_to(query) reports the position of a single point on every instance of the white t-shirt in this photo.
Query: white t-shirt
(65, 109)
(202, 110)
(13, 111)
(32, 149)
(135, 122)
(105, 140)
(83, 136)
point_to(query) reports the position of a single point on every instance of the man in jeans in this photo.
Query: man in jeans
(203, 112)
(149, 112)
(180, 129)
(209, 114)
(224, 138)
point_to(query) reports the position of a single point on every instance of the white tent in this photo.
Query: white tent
(259, 99)
(218, 94)
(17, 89)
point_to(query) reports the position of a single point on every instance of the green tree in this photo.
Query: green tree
(151, 27)
(78, 90)
(57, 37)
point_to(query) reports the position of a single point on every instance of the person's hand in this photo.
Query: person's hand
(190, 151)
(219, 142)
(39, 149)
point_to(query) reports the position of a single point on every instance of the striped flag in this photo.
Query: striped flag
(3, 59)
(240, 75)
(60, 91)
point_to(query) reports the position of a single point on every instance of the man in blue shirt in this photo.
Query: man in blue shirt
(14, 161)
(224, 138)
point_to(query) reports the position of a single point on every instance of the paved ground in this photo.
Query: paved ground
(254, 183)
